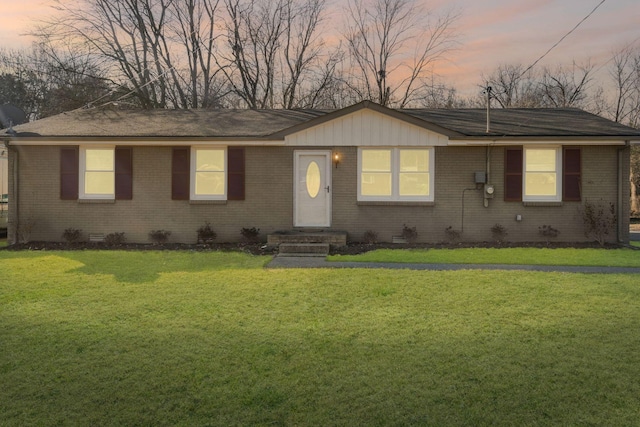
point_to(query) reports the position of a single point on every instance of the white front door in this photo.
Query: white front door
(312, 189)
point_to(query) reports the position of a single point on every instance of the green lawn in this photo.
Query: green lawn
(179, 338)
(535, 256)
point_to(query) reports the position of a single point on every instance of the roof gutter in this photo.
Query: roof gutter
(524, 140)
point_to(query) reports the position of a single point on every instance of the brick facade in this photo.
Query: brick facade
(268, 202)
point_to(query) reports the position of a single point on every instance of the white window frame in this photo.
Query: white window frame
(192, 174)
(395, 176)
(558, 196)
(83, 169)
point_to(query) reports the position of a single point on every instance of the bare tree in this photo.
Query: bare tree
(625, 73)
(512, 86)
(159, 49)
(624, 107)
(434, 93)
(299, 49)
(254, 33)
(126, 33)
(323, 86)
(275, 56)
(564, 87)
(43, 81)
(21, 83)
(203, 53)
(194, 25)
(392, 45)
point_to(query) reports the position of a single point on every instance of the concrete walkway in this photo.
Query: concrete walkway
(321, 262)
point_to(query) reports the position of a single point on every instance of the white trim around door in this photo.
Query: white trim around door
(312, 188)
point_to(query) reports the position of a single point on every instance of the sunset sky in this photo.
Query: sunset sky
(492, 32)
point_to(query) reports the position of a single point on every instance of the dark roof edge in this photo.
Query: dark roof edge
(547, 137)
(79, 138)
(371, 106)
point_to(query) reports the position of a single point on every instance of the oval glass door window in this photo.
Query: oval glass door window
(313, 180)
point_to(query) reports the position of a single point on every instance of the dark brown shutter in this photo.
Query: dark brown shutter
(571, 169)
(69, 173)
(235, 174)
(124, 173)
(513, 174)
(180, 173)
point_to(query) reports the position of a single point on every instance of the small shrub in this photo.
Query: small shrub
(548, 231)
(71, 235)
(250, 235)
(113, 239)
(370, 237)
(409, 233)
(452, 235)
(498, 232)
(206, 234)
(23, 232)
(599, 220)
(159, 236)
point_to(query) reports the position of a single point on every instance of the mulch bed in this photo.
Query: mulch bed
(352, 248)
(252, 248)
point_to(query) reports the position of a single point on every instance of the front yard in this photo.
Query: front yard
(181, 338)
(622, 257)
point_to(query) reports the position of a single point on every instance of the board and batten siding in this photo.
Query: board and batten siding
(365, 128)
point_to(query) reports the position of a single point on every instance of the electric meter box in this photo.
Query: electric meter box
(480, 177)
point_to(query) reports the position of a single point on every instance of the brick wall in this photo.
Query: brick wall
(268, 204)
(455, 167)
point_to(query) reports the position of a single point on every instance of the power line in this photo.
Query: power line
(563, 37)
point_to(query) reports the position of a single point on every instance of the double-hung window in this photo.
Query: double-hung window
(395, 174)
(542, 174)
(209, 171)
(97, 172)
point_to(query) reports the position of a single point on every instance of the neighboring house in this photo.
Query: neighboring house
(357, 169)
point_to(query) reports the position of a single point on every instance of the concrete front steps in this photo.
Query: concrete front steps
(306, 243)
(303, 249)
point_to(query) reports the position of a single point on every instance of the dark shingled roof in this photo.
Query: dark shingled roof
(524, 122)
(168, 123)
(262, 124)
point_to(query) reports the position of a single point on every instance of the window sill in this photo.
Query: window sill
(97, 201)
(543, 204)
(372, 203)
(207, 202)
